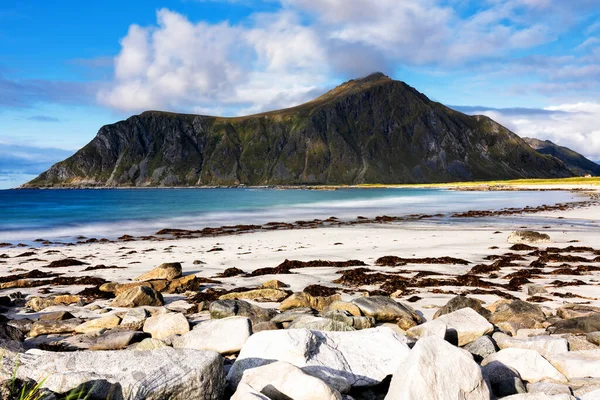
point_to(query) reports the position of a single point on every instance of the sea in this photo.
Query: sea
(63, 215)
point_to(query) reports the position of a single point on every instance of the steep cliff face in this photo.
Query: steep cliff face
(371, 130)
(577, 163)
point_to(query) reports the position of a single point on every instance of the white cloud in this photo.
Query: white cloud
(281, 58)
(571, 125)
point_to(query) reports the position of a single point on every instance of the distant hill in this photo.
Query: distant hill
(370, 130)
(577, 163)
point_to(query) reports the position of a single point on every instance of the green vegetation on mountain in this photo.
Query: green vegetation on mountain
(370, 130)
(577, 163)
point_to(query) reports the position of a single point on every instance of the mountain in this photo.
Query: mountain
(577, 163)
(370, 130)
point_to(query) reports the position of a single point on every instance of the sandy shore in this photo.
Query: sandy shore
(476, 240)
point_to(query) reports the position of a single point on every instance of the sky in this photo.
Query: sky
(68, 67)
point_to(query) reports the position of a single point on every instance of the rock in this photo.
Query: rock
(593, 337)
(8, 332)
(281, 379)
(430, 328)
(56, 316)
(230, 308)
(182, 306)
(138, 296)
(290, 315)
(97, 324)
(24, 324)
(593, 395)
(225, 336)
(535, 289)
(386, 309)
(576, 325)
(350, 308)
(166, 271)
(346, 318)
(545, 345)
(302, 300)
(54, 327)
(274, 284)
(577, 343)
(188, 283)
(134, 319)
(460, 302)
(548, 388)
(176, 374)
(164, 325)
(503, 380)
(39, 303)
(245, 392)
(434, 369)
(260, 295)
(462, 327)
(116, 340)
(319, 324)
(264, 326)
(531, 366)
(569, 311)
(528, 237)
(481, 348)
(149, 344)
(577, 364)
(517, 314)
(340, 359)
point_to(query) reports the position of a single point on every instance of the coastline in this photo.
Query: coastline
(62, 297)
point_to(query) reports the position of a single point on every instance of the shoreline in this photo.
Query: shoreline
(174, 233)
(422, 265)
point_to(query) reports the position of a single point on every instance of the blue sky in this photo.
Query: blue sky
(69, 67)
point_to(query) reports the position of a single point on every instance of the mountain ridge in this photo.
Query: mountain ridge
(369, 130)
(577, 163)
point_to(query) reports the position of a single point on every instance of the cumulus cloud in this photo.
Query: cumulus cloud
(572, 125)
(280, 58)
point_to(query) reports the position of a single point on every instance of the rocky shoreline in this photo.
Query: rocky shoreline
(123, 340)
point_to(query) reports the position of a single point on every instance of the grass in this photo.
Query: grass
(595, 181)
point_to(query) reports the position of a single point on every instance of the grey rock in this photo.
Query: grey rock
(434, 369)
(528, 237)
(226, 335)
(503, 379)
(481, 348)
(576, 325)
(56, 316)
(460, 302)
(341, 359)
(24, 325)
(138, 296)
(292, 314)
(53, 327)
(386, 309)
(231, 308)
(176, 374)
(134, 319)
(535, 289)
(320, 324)
(116, 340)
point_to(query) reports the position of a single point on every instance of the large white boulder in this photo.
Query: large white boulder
(436, 370)
(176, 374)
(340, 359)
(528, 363)
(545, 345)
(577, 364)
(225, 336)
(164, 325)
(464, 325)
(282, 378)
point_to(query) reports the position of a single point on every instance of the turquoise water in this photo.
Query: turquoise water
(65, 214)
